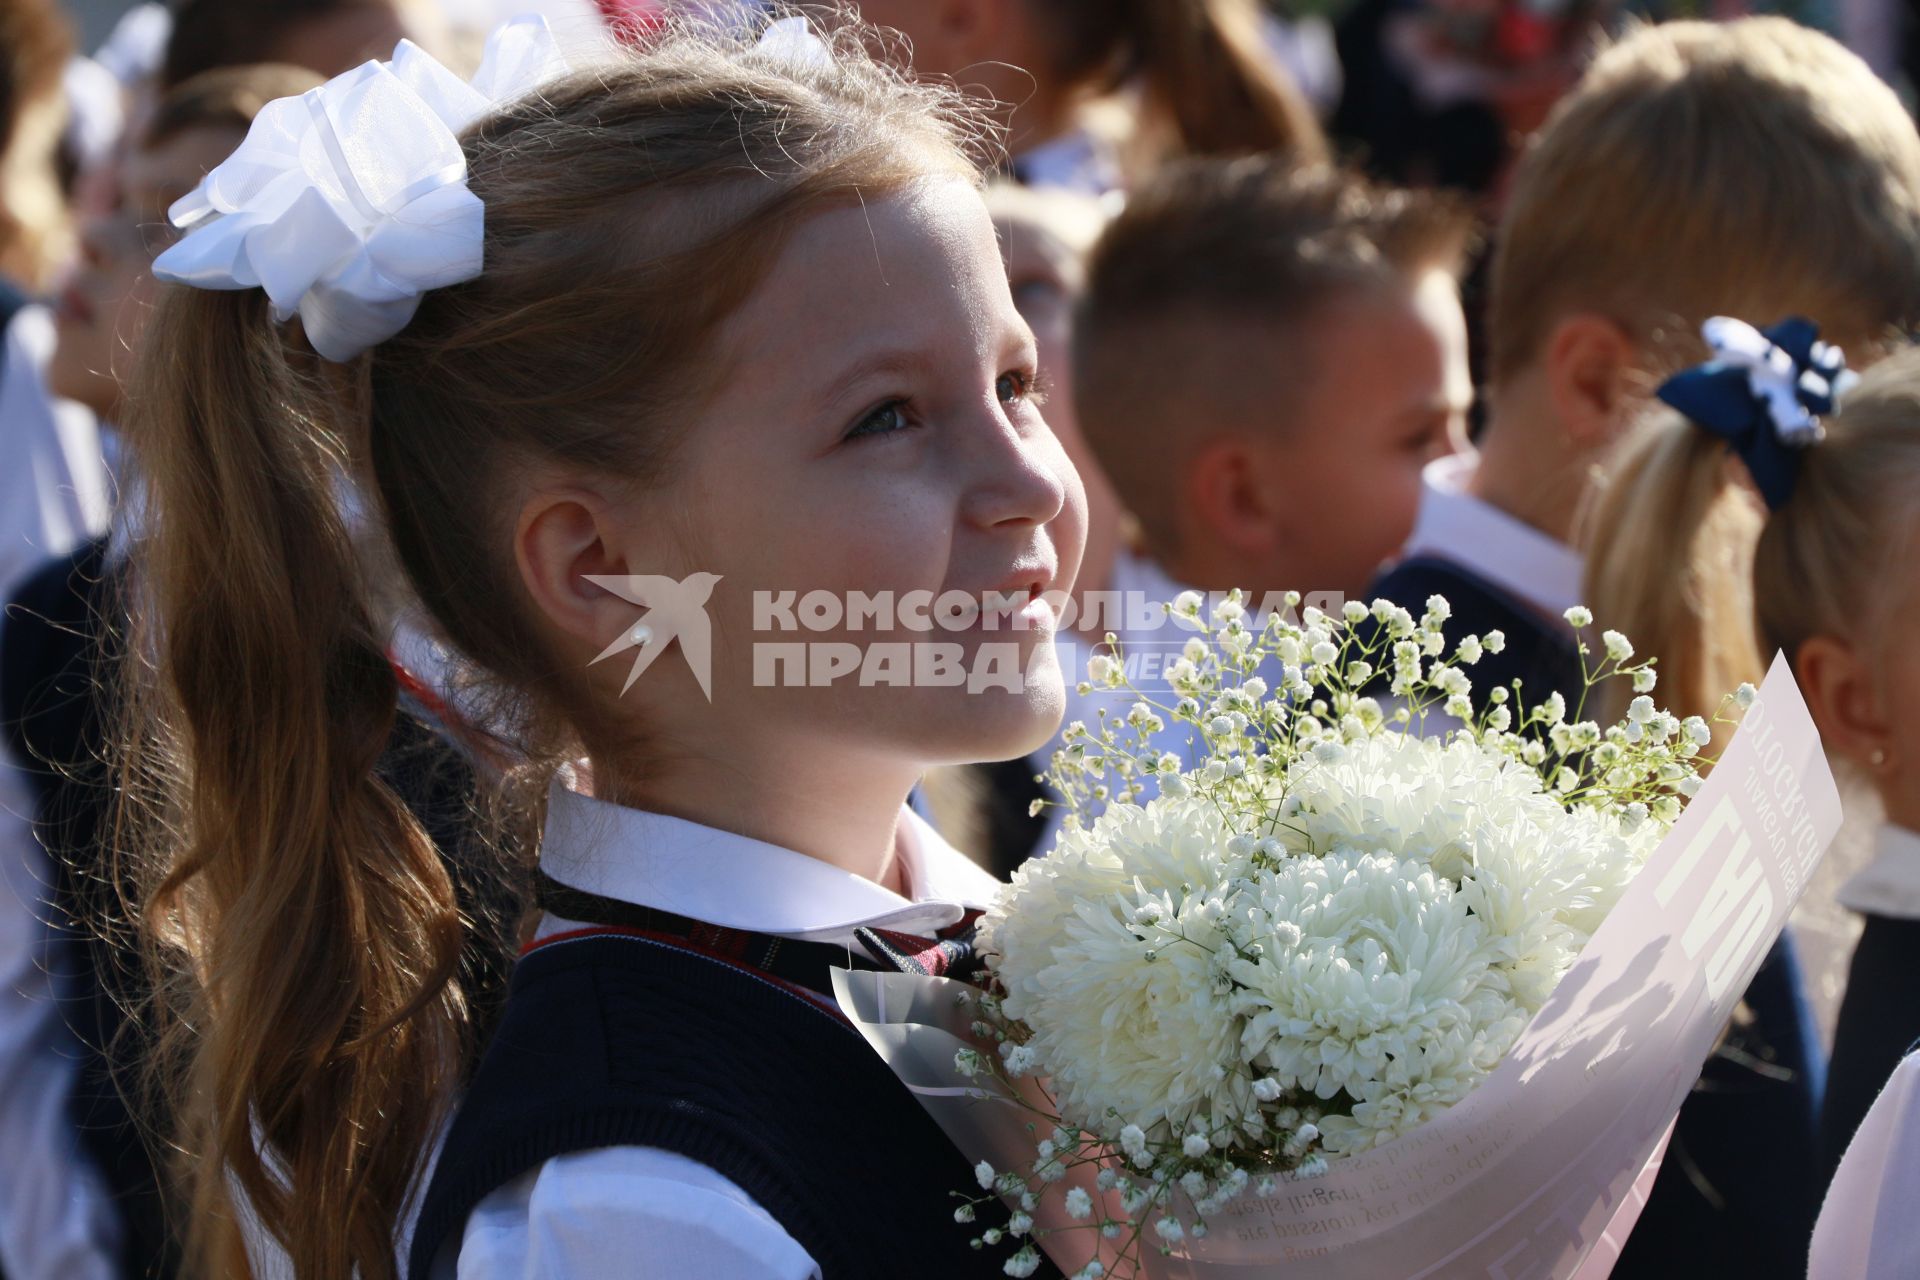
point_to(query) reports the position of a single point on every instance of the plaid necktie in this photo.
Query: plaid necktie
(949, 953)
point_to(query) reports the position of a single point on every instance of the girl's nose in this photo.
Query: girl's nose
(1022, 477)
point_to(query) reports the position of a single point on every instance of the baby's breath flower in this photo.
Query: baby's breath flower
(1644, 680)
(1195, 1145)
(1470, 650)
(963, 1214)
(1640, 710)
(1438, 608)
(1495, 641)
(1745, 695)
(1619, 648)
(1023, 1263)
(1168, 1228)
(1580, 617)
(1078, 1203)
(1353, 611)
(984, 1172)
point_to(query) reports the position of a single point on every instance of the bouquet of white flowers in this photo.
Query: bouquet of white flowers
(1227, 982)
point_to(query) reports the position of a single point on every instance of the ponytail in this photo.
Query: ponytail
(1669, 546)
(304, 930)
(1212, 87)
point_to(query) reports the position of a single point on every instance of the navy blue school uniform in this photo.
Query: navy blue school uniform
(672, 1089)
(1880, 1014)
(56, 696)
(1736, 1194)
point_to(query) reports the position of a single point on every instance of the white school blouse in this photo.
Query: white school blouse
(621, 1211)
(1868, 1229)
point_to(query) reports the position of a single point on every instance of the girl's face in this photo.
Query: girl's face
(875, 443)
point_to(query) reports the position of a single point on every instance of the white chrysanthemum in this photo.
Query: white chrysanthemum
(1541, 878)
(1378, 984)
(1087, 944)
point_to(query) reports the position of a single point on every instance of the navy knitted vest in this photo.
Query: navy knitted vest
(1540, 652)
(617, 1038)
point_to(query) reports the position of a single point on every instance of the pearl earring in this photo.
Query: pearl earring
(1879, 757)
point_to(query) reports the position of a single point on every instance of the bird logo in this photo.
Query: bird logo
(675, 610)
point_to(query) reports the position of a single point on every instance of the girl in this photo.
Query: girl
(1834, 588)
(737, 333)
(1207, 80)
(1820, 530)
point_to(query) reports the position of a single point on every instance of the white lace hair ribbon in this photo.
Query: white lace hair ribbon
(349, 202)
(1775, 378)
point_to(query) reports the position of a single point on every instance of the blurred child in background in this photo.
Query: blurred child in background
(80, 1196)
(1753, 168)
(1207, 81)
(1266, 357)
(1835, 590)
(108, 295)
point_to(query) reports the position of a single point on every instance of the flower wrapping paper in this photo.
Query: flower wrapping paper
(1540, 1171)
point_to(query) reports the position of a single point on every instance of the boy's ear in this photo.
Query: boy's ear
(1226, 497)
(1589, 364)
(1846, 706)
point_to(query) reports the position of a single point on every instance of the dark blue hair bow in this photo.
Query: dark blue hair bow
(1764, 393)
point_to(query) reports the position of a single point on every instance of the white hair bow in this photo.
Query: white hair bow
(349, 202)
(1794, 390)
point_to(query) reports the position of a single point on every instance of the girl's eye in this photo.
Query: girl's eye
(1014, 385)
(887, 420)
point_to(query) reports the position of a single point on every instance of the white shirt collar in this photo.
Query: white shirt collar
(737, 882)
(1890, 885)
(1486, 541)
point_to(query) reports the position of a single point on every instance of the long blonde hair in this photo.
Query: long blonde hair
(303, 926)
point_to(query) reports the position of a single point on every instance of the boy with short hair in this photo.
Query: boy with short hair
(1265, 357)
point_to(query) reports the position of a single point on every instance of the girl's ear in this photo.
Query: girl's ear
(1846, 705)
(563, 535)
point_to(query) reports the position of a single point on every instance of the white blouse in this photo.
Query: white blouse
(618, 1211)
(1868, 1229)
